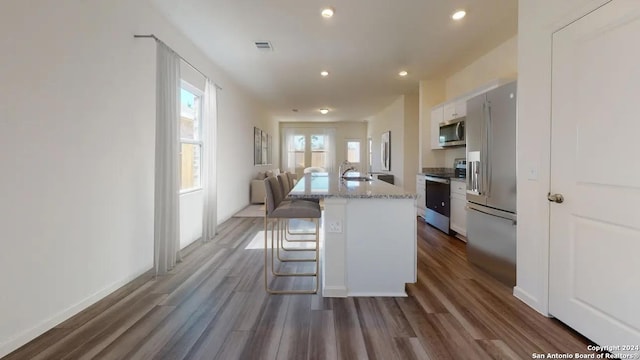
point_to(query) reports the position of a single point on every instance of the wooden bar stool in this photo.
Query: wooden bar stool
(277, 211)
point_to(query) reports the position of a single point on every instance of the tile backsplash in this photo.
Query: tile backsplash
(451, 154)
(437, 169)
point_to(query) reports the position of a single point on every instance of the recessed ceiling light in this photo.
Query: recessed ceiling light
(327, 12)
(458, 15)
(324, 73)
(324, 111)
(403, 73)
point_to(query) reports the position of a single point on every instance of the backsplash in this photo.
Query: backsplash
(455, 153)
(436, 170)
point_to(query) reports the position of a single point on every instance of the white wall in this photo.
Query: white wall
(191, 204)
(411, 141)
(451, 154)
(500, 62)
(400, 117)
(431, 94)
(235, 149)
(389, 119)
(537, 20)
(77, 113)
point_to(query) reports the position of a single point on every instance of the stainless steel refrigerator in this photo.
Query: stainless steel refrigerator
(491, 182)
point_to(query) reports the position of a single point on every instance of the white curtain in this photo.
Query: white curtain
(209, 174)
(288, 147)
(167, 165)
(330, 138)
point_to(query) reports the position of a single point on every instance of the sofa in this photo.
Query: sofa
(258, 193)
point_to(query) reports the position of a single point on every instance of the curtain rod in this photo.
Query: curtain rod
(151, 36)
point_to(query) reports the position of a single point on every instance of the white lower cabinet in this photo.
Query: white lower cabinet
(421, 201)
(458, 221)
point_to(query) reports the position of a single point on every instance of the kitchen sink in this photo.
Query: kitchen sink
(356, 178)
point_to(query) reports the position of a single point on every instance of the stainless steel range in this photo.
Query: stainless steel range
(438, 206)
(438, 193)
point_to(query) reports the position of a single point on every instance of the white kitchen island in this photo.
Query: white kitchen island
(369, 246)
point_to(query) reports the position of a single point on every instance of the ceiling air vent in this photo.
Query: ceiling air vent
(264, 46)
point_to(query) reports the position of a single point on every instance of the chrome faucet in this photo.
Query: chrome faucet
(347, 167)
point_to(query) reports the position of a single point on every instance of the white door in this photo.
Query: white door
(595, 146)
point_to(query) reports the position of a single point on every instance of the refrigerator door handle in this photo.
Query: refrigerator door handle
(484, 149)
(473, 173)
(493, 212)
(489, 141)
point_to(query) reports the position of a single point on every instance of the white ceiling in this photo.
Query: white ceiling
(363, 46)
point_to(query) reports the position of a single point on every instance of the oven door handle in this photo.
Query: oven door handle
(438, 180)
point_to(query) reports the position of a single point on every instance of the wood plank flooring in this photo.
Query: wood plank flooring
(213, 306)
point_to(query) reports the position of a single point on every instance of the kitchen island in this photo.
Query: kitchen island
(369, 246)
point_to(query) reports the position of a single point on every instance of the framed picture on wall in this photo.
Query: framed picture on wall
(261, 147)
(385, 150)
(264, 148)
(269, 144)
(257, 146)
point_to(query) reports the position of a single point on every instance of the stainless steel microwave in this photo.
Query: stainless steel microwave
(452, 133)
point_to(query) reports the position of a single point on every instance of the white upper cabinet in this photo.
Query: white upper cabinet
(436, 118)
(455, 109)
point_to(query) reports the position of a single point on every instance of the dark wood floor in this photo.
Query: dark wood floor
(213, 306)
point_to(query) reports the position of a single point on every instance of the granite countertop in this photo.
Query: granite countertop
(441, 172)
(325, 185)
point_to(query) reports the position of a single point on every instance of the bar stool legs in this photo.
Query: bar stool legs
(289, 232)
(281, 241)
(277, 230)
(276, 211)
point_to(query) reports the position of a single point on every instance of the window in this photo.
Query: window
(353, 151)
(319, 151)
(308, 147)
(296, 151)
(190, 137)
(370, 155)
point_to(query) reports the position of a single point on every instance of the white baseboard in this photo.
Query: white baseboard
(334, 291)
(378, 294)
(531, 301)
(30, 334)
